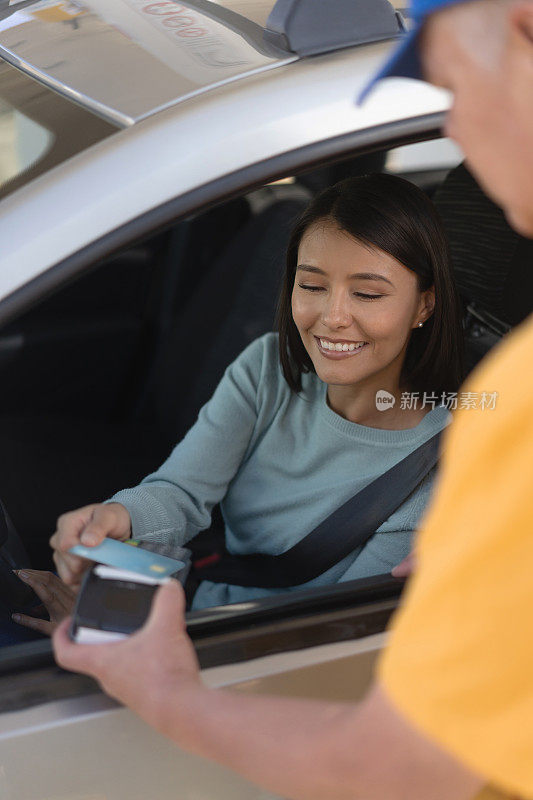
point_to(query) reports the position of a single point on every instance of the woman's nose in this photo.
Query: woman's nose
(337, 312)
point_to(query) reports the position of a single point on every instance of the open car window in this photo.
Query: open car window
(91, 404)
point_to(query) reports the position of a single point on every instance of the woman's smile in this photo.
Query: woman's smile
(335, 349)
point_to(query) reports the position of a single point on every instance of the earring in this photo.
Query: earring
(420, 324)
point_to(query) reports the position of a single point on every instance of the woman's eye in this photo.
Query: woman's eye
(356, 294)
(310, 288)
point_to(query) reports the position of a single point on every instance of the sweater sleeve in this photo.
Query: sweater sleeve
(175, 502)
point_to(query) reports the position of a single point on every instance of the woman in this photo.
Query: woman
(368, 304)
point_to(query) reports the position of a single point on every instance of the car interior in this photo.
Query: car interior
(106, 375)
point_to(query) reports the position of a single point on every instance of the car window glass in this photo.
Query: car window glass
(436, 154)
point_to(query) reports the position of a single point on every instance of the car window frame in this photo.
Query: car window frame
(223, 636)
(241, 632)
(224, 188)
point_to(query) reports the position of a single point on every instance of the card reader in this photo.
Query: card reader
(114, 603)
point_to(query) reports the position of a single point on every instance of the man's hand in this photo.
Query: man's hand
(406, 567)
(299, 749)
(58, 600)
(88, 526)
(151, 669)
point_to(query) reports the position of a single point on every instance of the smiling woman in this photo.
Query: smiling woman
(329, 313)
(367, 264)
(293, 430)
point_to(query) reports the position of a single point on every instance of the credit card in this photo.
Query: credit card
(125, 556)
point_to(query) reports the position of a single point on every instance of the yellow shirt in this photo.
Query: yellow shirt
(460, 661)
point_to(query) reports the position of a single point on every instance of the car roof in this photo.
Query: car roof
(128, 59)
(211, 145)
(239, 133)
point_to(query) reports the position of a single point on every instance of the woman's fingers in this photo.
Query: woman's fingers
(37, 624)
(88, 526)
(56, 595)
(69, 529)
(58, 599)
(70, 568)
(406, 567)
(36, 582)
(39, 611)
(46, 579)
(105, 521)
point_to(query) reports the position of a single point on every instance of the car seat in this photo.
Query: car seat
(492, 263)
(233, 305)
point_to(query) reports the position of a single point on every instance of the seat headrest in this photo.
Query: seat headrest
(483, 245)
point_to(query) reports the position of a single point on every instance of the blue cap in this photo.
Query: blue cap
(405, 60)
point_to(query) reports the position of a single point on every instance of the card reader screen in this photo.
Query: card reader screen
(124, 600)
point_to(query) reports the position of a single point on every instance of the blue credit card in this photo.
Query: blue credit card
(127, 556)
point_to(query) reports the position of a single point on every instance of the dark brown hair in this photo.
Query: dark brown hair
(391, 214)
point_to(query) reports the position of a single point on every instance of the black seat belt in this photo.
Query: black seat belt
(346, 529)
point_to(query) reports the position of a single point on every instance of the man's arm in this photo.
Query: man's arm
(298, 749)
(324, 751)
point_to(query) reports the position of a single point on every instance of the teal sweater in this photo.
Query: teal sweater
(278, 463)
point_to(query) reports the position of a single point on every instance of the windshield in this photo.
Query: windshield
(150, 55)
(255, 10)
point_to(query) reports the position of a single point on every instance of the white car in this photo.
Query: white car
(152, 156)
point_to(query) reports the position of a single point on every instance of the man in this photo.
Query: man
(452, 707)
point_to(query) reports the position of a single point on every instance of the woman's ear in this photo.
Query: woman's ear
(426, 306)
(430, 301)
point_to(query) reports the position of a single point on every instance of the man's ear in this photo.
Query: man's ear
(521, 20)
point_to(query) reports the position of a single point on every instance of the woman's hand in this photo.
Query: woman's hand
(88, 526)
(58, 600)
(150, 670)
(406, 567)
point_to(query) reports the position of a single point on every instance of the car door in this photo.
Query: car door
(62, 739)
